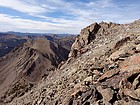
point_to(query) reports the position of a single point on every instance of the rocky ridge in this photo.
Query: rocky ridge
(26, 65)
(9, 41)
(103, 69)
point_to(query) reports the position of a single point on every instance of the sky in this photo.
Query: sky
(64, 16)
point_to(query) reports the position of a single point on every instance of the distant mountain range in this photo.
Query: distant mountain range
(35, 34)
(9, 40)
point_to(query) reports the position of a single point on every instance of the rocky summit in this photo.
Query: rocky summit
(103, 68)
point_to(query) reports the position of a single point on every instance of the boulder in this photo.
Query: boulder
(108, 74)
(138, 48)
(106, 93)
(136, 82)
(130, 64)
(132, 94)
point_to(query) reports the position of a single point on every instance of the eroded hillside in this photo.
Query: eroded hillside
(27, 64)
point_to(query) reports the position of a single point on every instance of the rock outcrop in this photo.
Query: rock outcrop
(103, 69)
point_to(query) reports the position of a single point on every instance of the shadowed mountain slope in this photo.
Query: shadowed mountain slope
(9, 41)
(29, 62)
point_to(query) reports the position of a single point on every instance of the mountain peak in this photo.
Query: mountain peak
(30, 62)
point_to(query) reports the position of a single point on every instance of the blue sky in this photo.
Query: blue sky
(64, 16)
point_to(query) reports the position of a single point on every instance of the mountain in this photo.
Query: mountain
(35, 34)
(9, 40)
(65, 41)
(103, 68)
(27, 64)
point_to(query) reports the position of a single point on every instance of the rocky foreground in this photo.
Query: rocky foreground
(103, 69)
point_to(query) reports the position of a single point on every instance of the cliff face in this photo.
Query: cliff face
(96, 34)
(103, 69)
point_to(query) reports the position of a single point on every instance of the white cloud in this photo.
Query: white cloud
(99, 4)
(26, 25)
(22, 6)
(76, 15)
